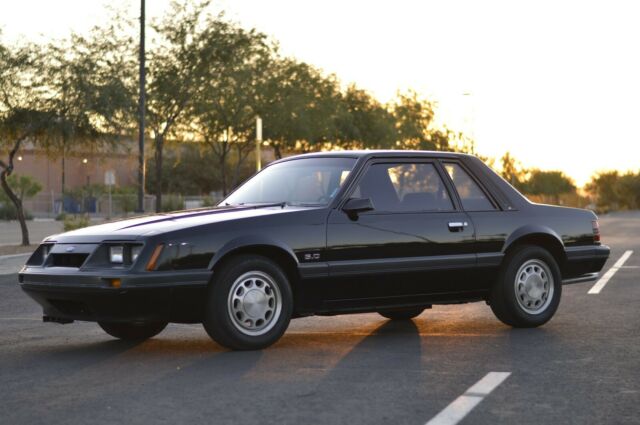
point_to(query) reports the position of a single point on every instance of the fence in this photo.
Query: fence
(51, 205)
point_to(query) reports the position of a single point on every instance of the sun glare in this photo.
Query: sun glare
(553, 83)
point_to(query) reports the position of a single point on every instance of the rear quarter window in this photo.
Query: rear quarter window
(472, 196)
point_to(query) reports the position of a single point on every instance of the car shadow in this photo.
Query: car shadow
(386, 369)
(386, 364)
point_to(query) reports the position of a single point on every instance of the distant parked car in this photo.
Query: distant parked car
(322, 234)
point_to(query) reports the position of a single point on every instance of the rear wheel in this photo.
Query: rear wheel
(249, 304)
(133, 331)
(404, 314)
(527, 292)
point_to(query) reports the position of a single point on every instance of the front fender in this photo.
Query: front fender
(250, 241)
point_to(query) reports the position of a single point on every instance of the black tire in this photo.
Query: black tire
(232, 333)
(404, 314)
(508, 306)
(133, 331)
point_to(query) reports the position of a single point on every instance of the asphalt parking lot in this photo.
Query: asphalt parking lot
(583, 367)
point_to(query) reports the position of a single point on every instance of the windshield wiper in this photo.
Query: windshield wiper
(304, 204)
(281, 204)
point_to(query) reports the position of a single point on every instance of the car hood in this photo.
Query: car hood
(146, 226)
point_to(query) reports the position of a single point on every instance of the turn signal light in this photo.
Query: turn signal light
(116, 283)
(151, 265)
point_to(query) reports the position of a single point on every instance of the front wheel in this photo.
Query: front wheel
(133, 331)
(527, 292)
(249, 304)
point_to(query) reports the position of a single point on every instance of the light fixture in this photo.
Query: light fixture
(135, 252)
(84, 160)
(116, 254)
(19, 158)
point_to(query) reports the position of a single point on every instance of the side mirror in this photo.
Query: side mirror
(354, 206)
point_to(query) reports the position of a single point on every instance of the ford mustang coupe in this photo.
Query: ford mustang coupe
(392, 232)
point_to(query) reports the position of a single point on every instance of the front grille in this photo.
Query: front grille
(68, 260)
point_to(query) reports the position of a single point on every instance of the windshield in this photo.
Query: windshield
(303, 182)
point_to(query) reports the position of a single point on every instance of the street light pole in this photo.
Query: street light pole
(141, 112)
(258, 143)
(471, 121)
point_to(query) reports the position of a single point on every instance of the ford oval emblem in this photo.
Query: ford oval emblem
(70, 249)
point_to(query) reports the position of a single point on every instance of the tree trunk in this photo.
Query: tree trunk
(242, 156)
(7, 169)
(276, 150)
(17, 203)
(63, 173)
(159, 145)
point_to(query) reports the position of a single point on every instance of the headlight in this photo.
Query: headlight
(135, 251)
(116, 254)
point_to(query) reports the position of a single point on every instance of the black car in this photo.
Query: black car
(392, 232)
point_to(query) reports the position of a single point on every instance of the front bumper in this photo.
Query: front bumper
(69, 294)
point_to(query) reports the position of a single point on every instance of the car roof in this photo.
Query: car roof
(376, 153)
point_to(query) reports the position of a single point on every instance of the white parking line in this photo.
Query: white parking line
(461, 406)
(7, 257)
(595, 289)
(39, 319)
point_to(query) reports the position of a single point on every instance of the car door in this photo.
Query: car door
(492, 223)
(414, 242)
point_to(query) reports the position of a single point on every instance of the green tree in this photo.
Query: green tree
(613, 191)
(192, 168)
(224, 112)
(52, 97)
(364, 122)
(603, 187)
(24, 187)
(628, 191)
(414, 118)
(69, 100)
(184, 52)
(549, 183)
(107, 56)
(300, 107)
(512, 171)
(19, 118)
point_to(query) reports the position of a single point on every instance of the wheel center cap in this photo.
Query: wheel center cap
(535, 287)
(254, 303)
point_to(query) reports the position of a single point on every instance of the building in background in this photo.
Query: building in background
(81, 169)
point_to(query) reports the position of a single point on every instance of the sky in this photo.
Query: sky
(556, 83)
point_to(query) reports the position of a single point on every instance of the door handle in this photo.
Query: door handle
(457, 226)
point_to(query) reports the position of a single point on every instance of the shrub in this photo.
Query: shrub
(8, 212)
(127, 198)
(172, 203)
(73, 222)
(208, 201)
